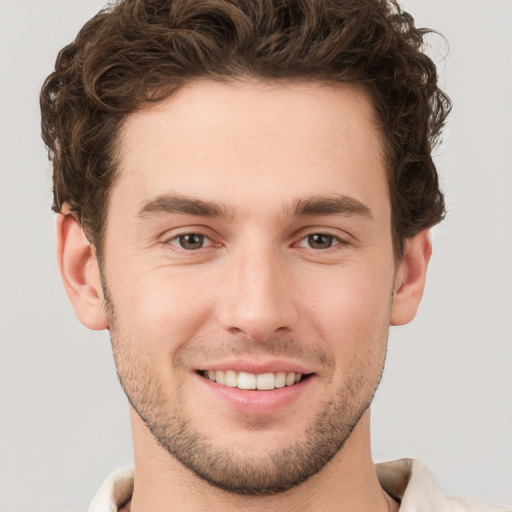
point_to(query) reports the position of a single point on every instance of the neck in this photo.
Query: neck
(348, 482)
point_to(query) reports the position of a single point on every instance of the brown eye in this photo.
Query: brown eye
(191, 241)
(320, 241)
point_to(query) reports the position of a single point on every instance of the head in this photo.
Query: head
(256, 180)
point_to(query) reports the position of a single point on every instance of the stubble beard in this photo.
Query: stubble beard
(235, 468)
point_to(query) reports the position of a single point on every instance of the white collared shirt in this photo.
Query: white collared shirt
(408, 481)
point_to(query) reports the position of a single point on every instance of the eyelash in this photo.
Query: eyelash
(179, 238)
(331, 240)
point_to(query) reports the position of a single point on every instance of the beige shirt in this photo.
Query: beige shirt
(408, 481)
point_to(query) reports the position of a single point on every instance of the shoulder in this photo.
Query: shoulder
(412, 484)
(459, 504)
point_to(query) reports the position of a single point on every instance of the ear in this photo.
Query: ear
(80, 271)
(410, 278)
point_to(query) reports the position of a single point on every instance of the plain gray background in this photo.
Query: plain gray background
(446, 396)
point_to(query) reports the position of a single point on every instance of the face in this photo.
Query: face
(249, 271)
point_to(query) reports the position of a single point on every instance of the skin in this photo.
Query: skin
(282, 164)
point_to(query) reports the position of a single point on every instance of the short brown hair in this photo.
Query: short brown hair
(139, 51)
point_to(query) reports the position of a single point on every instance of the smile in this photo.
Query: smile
(259, 381)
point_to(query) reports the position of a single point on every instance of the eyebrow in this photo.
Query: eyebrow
(330, 205)
(178, 204)
(307, 207)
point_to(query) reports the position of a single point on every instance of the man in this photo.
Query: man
(244, 191)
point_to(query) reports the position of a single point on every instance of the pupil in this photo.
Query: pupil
(191, 241)
(320, 241)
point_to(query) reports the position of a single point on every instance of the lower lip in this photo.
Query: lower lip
(258, 402)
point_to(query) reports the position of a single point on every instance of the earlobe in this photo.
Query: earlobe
(80, 271)
(410, 278)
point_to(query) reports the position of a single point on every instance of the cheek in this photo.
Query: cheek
(351, 310)
(161, 307)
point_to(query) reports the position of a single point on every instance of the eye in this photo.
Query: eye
(191, 241)
(319, 241)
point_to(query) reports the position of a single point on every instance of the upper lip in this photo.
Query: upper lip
(257, 367)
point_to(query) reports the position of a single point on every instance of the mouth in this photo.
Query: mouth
(253, 381)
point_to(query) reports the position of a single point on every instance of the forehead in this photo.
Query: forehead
(231, 141)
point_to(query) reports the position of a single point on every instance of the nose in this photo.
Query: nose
(259, 299)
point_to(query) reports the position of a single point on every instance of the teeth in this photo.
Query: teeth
(280, 380)
(265, 381)
(230, 379)
(261, 381)
(246, 380)
(219, 377)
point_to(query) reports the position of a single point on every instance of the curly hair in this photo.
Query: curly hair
(139, 51)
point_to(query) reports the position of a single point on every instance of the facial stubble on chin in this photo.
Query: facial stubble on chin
(235, 468)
